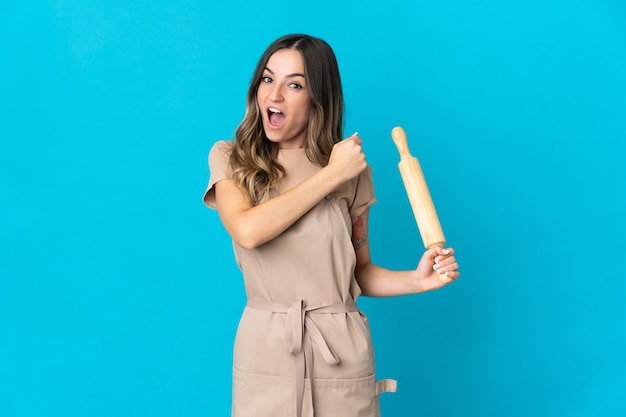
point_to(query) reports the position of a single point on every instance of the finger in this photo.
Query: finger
(441, 262)
(356, 140)
(453, 275)
(448, 277)
(355, 136)
(442, 269)
(443, 253)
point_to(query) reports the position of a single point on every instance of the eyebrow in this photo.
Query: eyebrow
(295, 74)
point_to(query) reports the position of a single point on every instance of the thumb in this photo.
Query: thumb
(354, 135)
(432, 253)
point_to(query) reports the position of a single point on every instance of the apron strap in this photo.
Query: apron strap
(386, 385)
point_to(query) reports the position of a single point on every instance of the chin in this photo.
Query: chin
(273, 137)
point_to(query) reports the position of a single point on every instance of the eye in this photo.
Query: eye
(296, 86)
(266, 79)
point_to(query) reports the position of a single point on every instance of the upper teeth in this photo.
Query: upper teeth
(273, 110)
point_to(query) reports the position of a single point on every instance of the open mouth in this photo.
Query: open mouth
(275, 117)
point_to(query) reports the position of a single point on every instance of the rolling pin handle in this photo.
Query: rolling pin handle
(399, 138)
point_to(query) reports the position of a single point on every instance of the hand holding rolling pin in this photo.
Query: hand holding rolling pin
(437, 263)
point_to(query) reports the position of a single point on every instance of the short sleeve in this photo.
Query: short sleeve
(218, 170)
(363, 195)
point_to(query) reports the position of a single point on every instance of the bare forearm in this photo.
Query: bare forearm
(376, 281)
(254, 225)
(380, 282)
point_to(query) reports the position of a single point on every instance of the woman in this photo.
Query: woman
(295, 199)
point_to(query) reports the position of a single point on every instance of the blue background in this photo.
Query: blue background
(119, 295)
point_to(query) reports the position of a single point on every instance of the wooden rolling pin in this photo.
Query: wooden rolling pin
(419, 196)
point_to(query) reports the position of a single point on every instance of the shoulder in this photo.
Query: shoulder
(363, 181)
(220, 150)
(219, 155)
(359, 190)
(222, 144)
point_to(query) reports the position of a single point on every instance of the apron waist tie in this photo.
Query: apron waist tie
(300, 333)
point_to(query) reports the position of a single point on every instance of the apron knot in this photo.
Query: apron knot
(300, 334)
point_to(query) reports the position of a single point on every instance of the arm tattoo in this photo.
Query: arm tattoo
(359, 233)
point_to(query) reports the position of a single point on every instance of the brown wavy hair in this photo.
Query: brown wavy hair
(253, 155)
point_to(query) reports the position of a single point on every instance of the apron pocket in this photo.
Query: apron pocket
(256, 395)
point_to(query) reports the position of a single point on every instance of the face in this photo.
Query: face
(283, 99)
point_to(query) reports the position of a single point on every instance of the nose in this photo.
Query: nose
(276, 94)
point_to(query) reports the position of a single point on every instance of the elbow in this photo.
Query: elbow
(247, 237)
(364, 278)
(360, 270)
(247, 244)
(364, 286)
